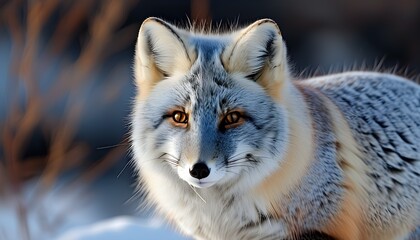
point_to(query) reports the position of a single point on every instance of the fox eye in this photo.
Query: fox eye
(179, 118)
(232, 119)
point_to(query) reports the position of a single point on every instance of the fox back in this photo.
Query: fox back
(229, 146)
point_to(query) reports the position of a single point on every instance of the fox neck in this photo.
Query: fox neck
(299, 151)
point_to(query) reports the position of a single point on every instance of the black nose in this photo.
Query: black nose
(199, 170)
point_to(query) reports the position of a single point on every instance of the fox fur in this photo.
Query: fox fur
(337, 155)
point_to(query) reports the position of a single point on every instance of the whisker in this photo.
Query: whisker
(193, 188)
(235, 160)
(228, 171)
(112, 146)
(171, 162)
(238, 154)
(168, 158)
(170, 155)
(238, 165)
(241, 160)
(125, 166)
(251, 158)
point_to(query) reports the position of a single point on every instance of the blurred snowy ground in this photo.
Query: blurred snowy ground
(123, 227)
(89, 212)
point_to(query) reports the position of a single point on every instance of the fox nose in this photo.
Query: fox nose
(199, 170)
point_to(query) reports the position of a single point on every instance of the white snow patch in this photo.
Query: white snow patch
(123, 227)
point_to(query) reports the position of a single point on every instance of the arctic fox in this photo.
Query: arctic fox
(229, 146)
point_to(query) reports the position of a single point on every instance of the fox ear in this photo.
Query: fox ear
(259, 53)
(161, 51)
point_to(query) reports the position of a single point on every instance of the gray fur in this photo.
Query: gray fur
(320, 188)
(384, 114)
(415, 235)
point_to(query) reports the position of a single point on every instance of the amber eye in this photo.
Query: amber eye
(232, 119)
(180, 117)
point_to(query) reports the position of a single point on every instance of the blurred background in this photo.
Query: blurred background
(66, 89)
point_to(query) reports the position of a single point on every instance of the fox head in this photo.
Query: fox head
(209, 108)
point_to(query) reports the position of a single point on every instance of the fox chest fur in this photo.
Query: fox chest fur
(228, 146)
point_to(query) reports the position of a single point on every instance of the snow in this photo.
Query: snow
(77, 215)
(45, 217)
(123, 227)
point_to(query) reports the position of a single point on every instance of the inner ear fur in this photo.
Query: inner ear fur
(161, 51)
(259, 53)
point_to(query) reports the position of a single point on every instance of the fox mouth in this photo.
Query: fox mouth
(209, 180)
(201, 184)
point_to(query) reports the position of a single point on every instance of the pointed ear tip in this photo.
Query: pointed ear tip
(150, 20)
(153, 19)
(268, 21)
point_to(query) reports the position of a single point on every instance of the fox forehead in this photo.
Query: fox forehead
(207, 82)
(209, 87)
(208, 47)
(208, 67)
